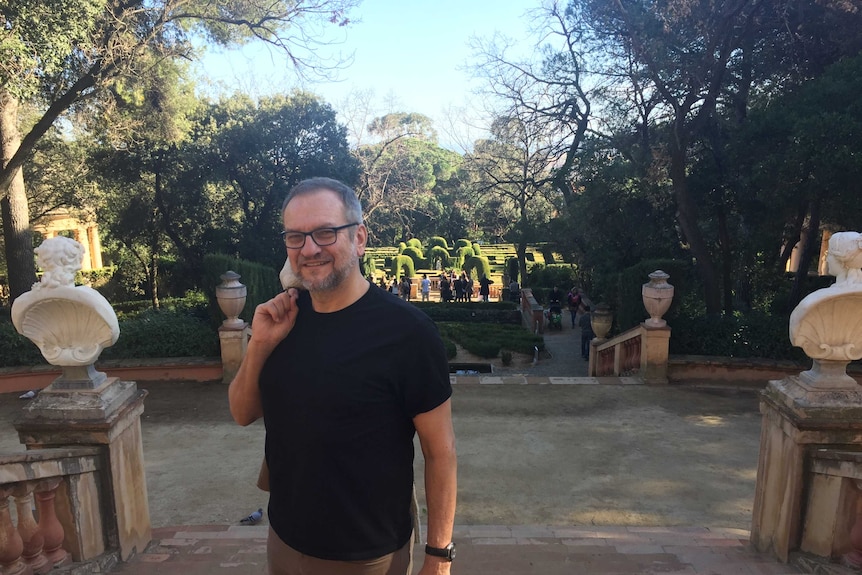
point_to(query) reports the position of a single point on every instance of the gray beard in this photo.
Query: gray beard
(333, 281)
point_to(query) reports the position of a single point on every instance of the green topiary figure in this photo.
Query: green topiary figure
(462, 243)
(477, 249)
(416, 243)
(401, 247)
(463, 253)
(416, 255)
(438, 241)
(476, 266)
(438, 253)
(369, 265)
(402, 265)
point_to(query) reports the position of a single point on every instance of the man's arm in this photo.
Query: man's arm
(437, 438)
(272, 322)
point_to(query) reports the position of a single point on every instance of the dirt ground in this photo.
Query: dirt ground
(528, 454)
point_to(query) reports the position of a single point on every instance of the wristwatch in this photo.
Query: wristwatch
(447, 553)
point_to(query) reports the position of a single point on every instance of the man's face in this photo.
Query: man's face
(324, 268)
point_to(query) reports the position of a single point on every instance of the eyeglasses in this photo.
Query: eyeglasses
(321, 236)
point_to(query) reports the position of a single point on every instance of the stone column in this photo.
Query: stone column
(233, 341)
(655, 345)
(109, 417)
(818, 411)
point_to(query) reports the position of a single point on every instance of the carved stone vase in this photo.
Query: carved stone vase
(601, 319)
(657, 296)
(231, 296)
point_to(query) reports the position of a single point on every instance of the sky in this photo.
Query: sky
(411, 54)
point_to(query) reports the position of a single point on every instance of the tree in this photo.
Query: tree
(404, 174)
(514, 165)
(64, 54)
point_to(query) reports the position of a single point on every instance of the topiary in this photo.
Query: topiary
(401, 265)
(438, 241)
(438, 253)
(476, 267)
(415, 243)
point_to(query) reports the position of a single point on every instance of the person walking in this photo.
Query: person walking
(425, 287)
(484, 287)
(573, 300)
(344, 376)
(587, 335)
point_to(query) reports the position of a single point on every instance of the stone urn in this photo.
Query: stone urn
(231, 296)
(657, 296)
(601, 319)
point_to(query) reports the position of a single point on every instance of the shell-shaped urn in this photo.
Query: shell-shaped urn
(657, 296)
(70, 325)
(827, 324)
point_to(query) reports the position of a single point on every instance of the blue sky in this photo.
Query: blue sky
(411, 52)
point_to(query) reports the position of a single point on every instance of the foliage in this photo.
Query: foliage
(416, 243)
(627, 300)
(477, 266)
(162, 333)
(486, 340)
(17, 349)
(402, 265)
(441, 254)
(415, 254)
(478, 312)
(78, 55)
(262, 283)
(751, 335)
(438, 241)
(564, 276)
(451, 348)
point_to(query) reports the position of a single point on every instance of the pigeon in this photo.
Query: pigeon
(29, 395)
(253, 518)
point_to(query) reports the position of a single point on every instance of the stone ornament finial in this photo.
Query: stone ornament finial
(827, 324)
(70, 324)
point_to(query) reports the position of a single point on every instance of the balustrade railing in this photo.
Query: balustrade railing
(56, 514)
(641, 351)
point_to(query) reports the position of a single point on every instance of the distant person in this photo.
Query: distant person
(405, 288)
(445, 288)
(425, 287)
(573, 300)
(587, 335)
(555, 300)
(484, 287)
(393, 289)
(458, 287)
(468, 287)
(515, 291)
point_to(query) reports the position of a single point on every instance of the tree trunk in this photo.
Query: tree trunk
(687, 219)
(21, 267)
(521, 251)
(726, 260)
(810, 240)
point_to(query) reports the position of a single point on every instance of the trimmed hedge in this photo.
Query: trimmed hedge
(487, 341)
(474, 312)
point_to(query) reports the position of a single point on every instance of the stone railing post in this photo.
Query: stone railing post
(31, 532)
(818, 411)
(11, 544)
(233, 333)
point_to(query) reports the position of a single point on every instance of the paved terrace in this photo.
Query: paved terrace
(558, 473)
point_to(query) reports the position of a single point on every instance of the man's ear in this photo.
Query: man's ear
(361, 238)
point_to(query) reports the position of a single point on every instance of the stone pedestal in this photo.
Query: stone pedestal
(798, 420)
(234, 342)
(109, 417)
(655, 344)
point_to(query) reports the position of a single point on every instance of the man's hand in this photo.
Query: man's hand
(435, 566)
(274, 319)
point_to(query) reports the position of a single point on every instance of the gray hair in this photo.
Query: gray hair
(352, 206)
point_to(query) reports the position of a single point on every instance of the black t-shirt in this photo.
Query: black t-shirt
(339, 394)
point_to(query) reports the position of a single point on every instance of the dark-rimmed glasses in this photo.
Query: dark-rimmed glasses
(322, 236)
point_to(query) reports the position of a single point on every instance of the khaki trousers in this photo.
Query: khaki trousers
(283, 559)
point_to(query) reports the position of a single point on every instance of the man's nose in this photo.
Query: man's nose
(310, 248)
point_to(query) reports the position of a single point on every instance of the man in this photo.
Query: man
(425, 287)
(485, 287)
(344, 376)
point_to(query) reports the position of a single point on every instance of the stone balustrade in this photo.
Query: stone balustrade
(641, 351)
(64, 485)
(532, 313)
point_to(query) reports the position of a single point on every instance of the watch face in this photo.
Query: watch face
(451, 549)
